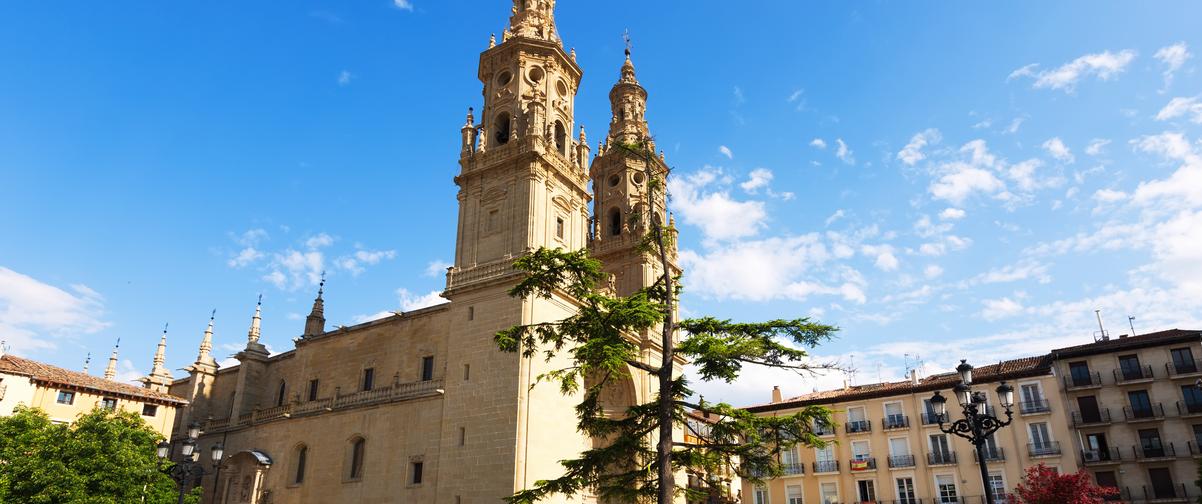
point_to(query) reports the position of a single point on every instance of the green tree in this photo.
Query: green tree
(103, 458)
(640, 459)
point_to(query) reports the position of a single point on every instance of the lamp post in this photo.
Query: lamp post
(977, 425)
(187, 469)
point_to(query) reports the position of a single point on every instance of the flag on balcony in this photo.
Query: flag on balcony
(859, 465)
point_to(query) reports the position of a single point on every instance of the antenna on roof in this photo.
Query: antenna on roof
(1101, 336)
(1131, 322)
(87, 360)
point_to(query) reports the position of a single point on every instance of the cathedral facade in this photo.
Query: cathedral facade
(422, 407)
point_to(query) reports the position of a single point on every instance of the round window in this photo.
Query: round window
(536, 74)
(613, 181)
(562, 88)
(638, 177)
(503, 78)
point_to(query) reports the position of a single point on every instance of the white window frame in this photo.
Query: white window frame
(906, 439)
(861, 456)
(1047, 429)
(794, 498)
(871, 482)
(862, 409)
(822, 496)
(938, 499)
(1038, 388)
(913, 497)
(760, 495)
(999, 493)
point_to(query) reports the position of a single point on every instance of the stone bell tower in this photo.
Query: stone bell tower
(621, 214)
(522, 181)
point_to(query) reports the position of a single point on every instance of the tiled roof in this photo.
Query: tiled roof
(1158, 338)
(56, 376)
(1006, 370)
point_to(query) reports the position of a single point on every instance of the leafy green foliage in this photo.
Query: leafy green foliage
(103, 458)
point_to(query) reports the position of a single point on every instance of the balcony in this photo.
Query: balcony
(1184, 369)
(991, 455)
(1141, 374)
(941, 458)
(824, 430)
(1101, 457)
(893, 422)
(1155, 452)
(1082, 382)
(1174, 494)
(930, 419)
(1148, 414)
(901, 461)
(1102, 418)
(826, 466)
(793, 469)
(858, 426)
(1044, 449)
(1189, 409)
(862, 465)
(1036, 407)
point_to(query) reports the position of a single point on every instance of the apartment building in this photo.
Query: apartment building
(1136, 412)
(886, 445)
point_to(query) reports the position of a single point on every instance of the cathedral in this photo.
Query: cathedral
(422, 407)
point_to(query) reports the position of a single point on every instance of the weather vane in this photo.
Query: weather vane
(626, 38)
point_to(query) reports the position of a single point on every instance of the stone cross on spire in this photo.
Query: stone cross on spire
(110, 371)
(533, 19)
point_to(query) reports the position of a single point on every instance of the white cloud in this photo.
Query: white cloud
(1173, 57)
(1023, 270)
(885, 260)
(1103, 65)
(1179, 107)
(758, 178)
(997, 309)
(1056, 148)
(33, 314)
(926, 229)
(354, 263)
(1096, 146)
(725, 151)
(437, 267)
(1171, 145)
(798, 98)
(403, 5)
(772, 268)
(1015, 124)
(345, 77)
(952, 213)
(963, 180)
(932, 271)
(719, 216)
(912, 152)
(844, 153)
(244, 257)
(410, 301)
(839, 214)
(818, 143)
(1109, 196)
(319, 240)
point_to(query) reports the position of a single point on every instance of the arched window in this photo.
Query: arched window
(302, 455)
(355, 471)
(501, 128)
(561, 138)
(615, 222)
(282, 394)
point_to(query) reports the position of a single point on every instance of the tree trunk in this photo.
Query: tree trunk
(667, 483)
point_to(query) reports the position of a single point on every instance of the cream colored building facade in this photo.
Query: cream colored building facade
(422, 407)
(1136, 411)
(65, 394)
(886, 446)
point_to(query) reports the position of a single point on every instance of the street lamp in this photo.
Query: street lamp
(188, 469)
(977, 425)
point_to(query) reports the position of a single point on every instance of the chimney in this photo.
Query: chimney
(914, 377)
(775, 394)
(846, 384)
(1122, 336)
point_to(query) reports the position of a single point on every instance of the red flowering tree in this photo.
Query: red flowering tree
(1044, 485)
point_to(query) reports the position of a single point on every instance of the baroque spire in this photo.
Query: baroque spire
(110, 371)
(315, 323)
(205, 361)
(628, 102)
(159, 378)
(252, 336)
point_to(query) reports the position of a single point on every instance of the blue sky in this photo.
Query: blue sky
(941, 180)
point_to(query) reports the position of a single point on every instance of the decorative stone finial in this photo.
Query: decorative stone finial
(533, 19)
(252, 336)
(315, 323)
(159, 378)
(110, 371)
(492, 40)
(205, 358)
